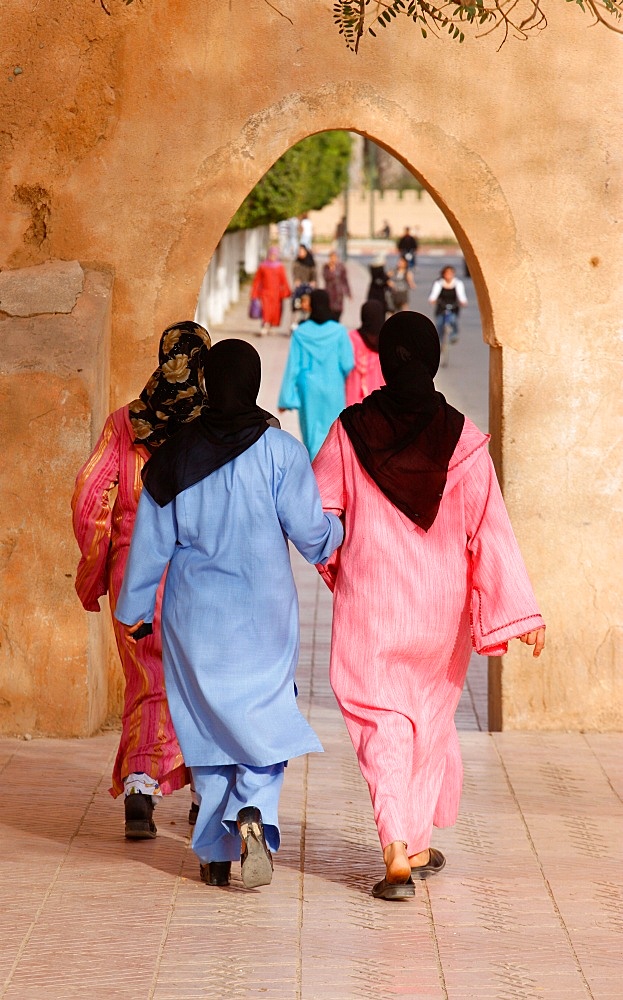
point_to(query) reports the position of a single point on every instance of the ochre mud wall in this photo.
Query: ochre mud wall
(131, 140)
(54, 659)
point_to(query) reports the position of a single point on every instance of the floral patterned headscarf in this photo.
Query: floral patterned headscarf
(175, 393)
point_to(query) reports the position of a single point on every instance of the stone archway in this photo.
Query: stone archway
(433, 157)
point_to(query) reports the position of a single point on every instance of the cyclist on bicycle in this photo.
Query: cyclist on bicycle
(448, 296)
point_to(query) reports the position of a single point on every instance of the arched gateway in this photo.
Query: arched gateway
(130, 142)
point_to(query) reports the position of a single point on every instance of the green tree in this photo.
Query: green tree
(308, 176)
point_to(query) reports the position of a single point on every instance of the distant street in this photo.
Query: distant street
(465, 382)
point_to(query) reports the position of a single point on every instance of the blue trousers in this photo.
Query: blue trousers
(452, 319)
(222, 791)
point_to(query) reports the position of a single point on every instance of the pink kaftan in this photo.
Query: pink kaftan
(148, 741)
(408, 606)
(366, 376)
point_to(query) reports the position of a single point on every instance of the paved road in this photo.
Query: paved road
(465, 382)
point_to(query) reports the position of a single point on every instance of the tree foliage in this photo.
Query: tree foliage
(308, 176)
(518, 18)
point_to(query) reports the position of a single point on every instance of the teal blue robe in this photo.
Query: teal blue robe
(320, 358)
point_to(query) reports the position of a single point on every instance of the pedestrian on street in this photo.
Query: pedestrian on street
(366, 376)
(219, 505)
(407, 247)
(320, 358)
(335, 277)
(307, 230)
(401, 283)
(304, 276)
(448, 296)
(149, 761)
(429, 570)
(304, 271)
(270, 286)
(380, 287)
(341, 237)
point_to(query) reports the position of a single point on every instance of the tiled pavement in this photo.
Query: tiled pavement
(530, 904)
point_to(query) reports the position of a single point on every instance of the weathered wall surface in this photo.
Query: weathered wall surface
(53, 396)
(415, 209)
(165, 115)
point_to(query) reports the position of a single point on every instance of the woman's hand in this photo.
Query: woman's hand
(536, 639)
(130, 630)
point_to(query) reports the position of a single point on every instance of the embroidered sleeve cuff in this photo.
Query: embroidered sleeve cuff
(495, 642)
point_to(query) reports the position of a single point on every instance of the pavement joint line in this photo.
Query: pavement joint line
(304, 803)
(8, 761)
(602, 769)
(167, 924)
(52, 885)
(433, 931)
(301, 882)
(546, 881)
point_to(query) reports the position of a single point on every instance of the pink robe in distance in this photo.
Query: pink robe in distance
(366, 376)
(408, 607)
(148, 741)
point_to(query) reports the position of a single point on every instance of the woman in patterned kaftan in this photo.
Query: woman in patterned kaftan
(149, 761)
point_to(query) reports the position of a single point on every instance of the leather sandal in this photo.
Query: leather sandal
(393, 890)
(255, 858)
(434, 865)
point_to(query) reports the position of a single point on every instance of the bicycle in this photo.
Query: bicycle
(447, 329)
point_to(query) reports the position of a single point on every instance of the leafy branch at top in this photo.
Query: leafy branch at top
(518, 18)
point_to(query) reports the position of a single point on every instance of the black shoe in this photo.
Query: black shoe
(255, 859)
(393, 890)
(193, 813)
(434, 864)
(215, 872)
(139, 811)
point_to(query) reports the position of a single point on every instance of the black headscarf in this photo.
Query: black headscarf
(230, 423)
(308, 259)
(320, 307)
(372, 317)
(174, 393)
(404, 434)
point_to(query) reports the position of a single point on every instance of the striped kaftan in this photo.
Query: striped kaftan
(408, 607)
(103, 531)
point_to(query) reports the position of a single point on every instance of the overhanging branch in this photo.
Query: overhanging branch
(355, 18)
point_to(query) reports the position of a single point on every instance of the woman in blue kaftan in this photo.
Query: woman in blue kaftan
(321, 356)
(221, 500)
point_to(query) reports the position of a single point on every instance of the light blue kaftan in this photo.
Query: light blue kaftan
(230, 625)
(320, 358)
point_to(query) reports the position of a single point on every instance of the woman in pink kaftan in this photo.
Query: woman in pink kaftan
(428, 570)
(149, 761)
(366, 376)
(270, 286)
